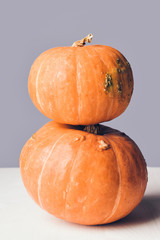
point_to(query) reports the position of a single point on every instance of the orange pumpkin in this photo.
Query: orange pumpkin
(83, 177)
(81, 85)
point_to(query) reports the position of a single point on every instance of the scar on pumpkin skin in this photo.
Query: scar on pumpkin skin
(128, 63)
(119, 63)
(107, 82)
(118, 60)
(128, 95)
(103, 145)
(119, 87)
(81, 139)
(33, 136)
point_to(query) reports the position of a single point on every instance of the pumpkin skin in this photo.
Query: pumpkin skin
(81, 85)
(82, 177)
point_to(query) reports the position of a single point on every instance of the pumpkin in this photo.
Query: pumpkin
(83, 177)
(81, 85)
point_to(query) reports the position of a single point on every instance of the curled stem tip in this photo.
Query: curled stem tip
(83, 41)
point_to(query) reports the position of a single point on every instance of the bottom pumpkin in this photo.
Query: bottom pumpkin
(83, 177)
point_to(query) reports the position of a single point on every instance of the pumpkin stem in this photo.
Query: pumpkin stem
(83, 41)
(95, 129)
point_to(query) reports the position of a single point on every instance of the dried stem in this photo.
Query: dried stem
(95, 129)
(83, 41)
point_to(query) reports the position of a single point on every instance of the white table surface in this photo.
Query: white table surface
(21, 218)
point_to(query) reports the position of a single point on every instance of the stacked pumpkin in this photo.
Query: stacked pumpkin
(73, 167)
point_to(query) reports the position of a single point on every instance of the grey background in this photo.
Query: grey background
(31, 27)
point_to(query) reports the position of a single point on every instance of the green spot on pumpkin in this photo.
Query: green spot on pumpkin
(118, 60)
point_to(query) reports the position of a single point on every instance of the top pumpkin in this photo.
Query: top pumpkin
(81, 85)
